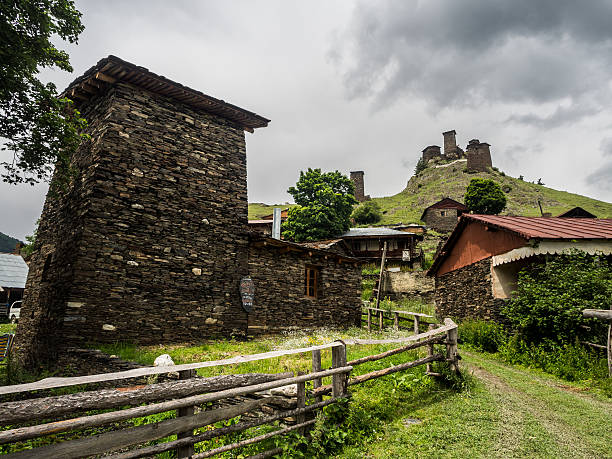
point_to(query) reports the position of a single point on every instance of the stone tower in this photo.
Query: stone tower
(478, 156)
(357, 179)
(431, 152)
(149, 243)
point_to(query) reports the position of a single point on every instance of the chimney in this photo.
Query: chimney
(357, 179)
(276, 223)
(450, 143)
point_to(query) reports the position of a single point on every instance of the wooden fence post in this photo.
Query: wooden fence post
(369, 320)
(396, 320)
(380, 319)
(185, 451)
(316, 367)
(430, 350)
(451, 349)
(301, 400)
(416, 325)
(339, 380)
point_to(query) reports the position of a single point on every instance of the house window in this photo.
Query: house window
(443, 213)
(311, 281)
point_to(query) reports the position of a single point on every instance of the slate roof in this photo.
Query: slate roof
(13, 271)
(375, 232)
(112, 69)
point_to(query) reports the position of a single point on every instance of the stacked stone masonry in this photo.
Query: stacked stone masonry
(466, 293)
(280, 299)
(442, 220)
(149, 243)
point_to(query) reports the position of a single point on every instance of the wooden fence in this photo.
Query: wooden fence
(396, 317)
(34, 417)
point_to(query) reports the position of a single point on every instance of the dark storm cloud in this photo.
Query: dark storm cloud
(473, 52)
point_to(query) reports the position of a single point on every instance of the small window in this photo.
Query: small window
(443, 213)
(311, 282)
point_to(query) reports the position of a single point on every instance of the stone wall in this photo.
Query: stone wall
(467, 293)
(357, 179)
(437, 221)
(431, 152)
(408, 285)
(280, 301)
(149, 243)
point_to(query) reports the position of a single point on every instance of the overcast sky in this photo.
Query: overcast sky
(366, 85)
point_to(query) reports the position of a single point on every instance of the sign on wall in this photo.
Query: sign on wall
(247, 293)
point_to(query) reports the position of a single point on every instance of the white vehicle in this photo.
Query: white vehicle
(14, 312)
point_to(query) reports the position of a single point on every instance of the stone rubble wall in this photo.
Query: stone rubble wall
(434, 219)
(466, 293)
(149, 243)
(280, 301)
(408, 285)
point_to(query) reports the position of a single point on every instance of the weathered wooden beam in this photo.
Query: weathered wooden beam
(399, 350)
(387, 371)
(250, 441)
(215, 433)
(603, 314)
(185, 451)
(339, 379)
(24, 433)
(54, 407)
(103, 77)
(110, 441)
(316, 367)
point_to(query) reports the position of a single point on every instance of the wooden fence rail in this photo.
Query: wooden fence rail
(191, 397)
(396, 317)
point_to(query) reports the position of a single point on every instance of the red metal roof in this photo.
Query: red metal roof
(548, 227)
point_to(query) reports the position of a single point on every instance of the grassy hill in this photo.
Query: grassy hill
(451, 179)
(7, 243)
(435, 183)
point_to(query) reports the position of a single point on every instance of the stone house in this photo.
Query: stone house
(442, 216)
(149, 244)
(303, 285)
(477, 268)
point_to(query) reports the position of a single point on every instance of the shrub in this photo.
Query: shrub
(421, 165)
(367, 213)
(551, 296)
(484, 196)
(483, 335)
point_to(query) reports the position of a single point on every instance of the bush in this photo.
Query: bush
(421, 165)
(367, 213)
(551, 296)
(484, 196)
(482, 335)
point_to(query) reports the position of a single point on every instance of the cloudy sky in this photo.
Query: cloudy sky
(366, 85)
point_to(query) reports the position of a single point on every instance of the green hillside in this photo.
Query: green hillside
(435, 183)
(451, 180)
(7, 243)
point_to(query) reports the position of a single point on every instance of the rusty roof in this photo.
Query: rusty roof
(112, 69)
(530, 228)
(300, 247)
(548, 227)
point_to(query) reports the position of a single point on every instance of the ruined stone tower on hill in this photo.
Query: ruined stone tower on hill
(357, 179)
(478, 154)
(149, 244)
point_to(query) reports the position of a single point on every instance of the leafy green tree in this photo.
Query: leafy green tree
(551, 296)
(324, 205)
(421, 165)
(39, 128)
(484, 196)
(367, 213)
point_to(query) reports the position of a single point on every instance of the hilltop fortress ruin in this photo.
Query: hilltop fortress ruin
(478, 154)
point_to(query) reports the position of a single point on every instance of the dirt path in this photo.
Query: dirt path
(540, 417)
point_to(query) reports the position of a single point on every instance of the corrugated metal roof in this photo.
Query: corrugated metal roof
(372, 232)
(549, 227)
(321, 244)
(13, 271)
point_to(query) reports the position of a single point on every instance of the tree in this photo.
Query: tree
(324, 205)
(551, 296)
(421, 165)
(367, 213)
(39, 128)
(484, 196)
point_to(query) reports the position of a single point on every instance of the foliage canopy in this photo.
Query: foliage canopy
(367, 213)
(551, 296)
(484, 196)
(324, 205)
(39, 128)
